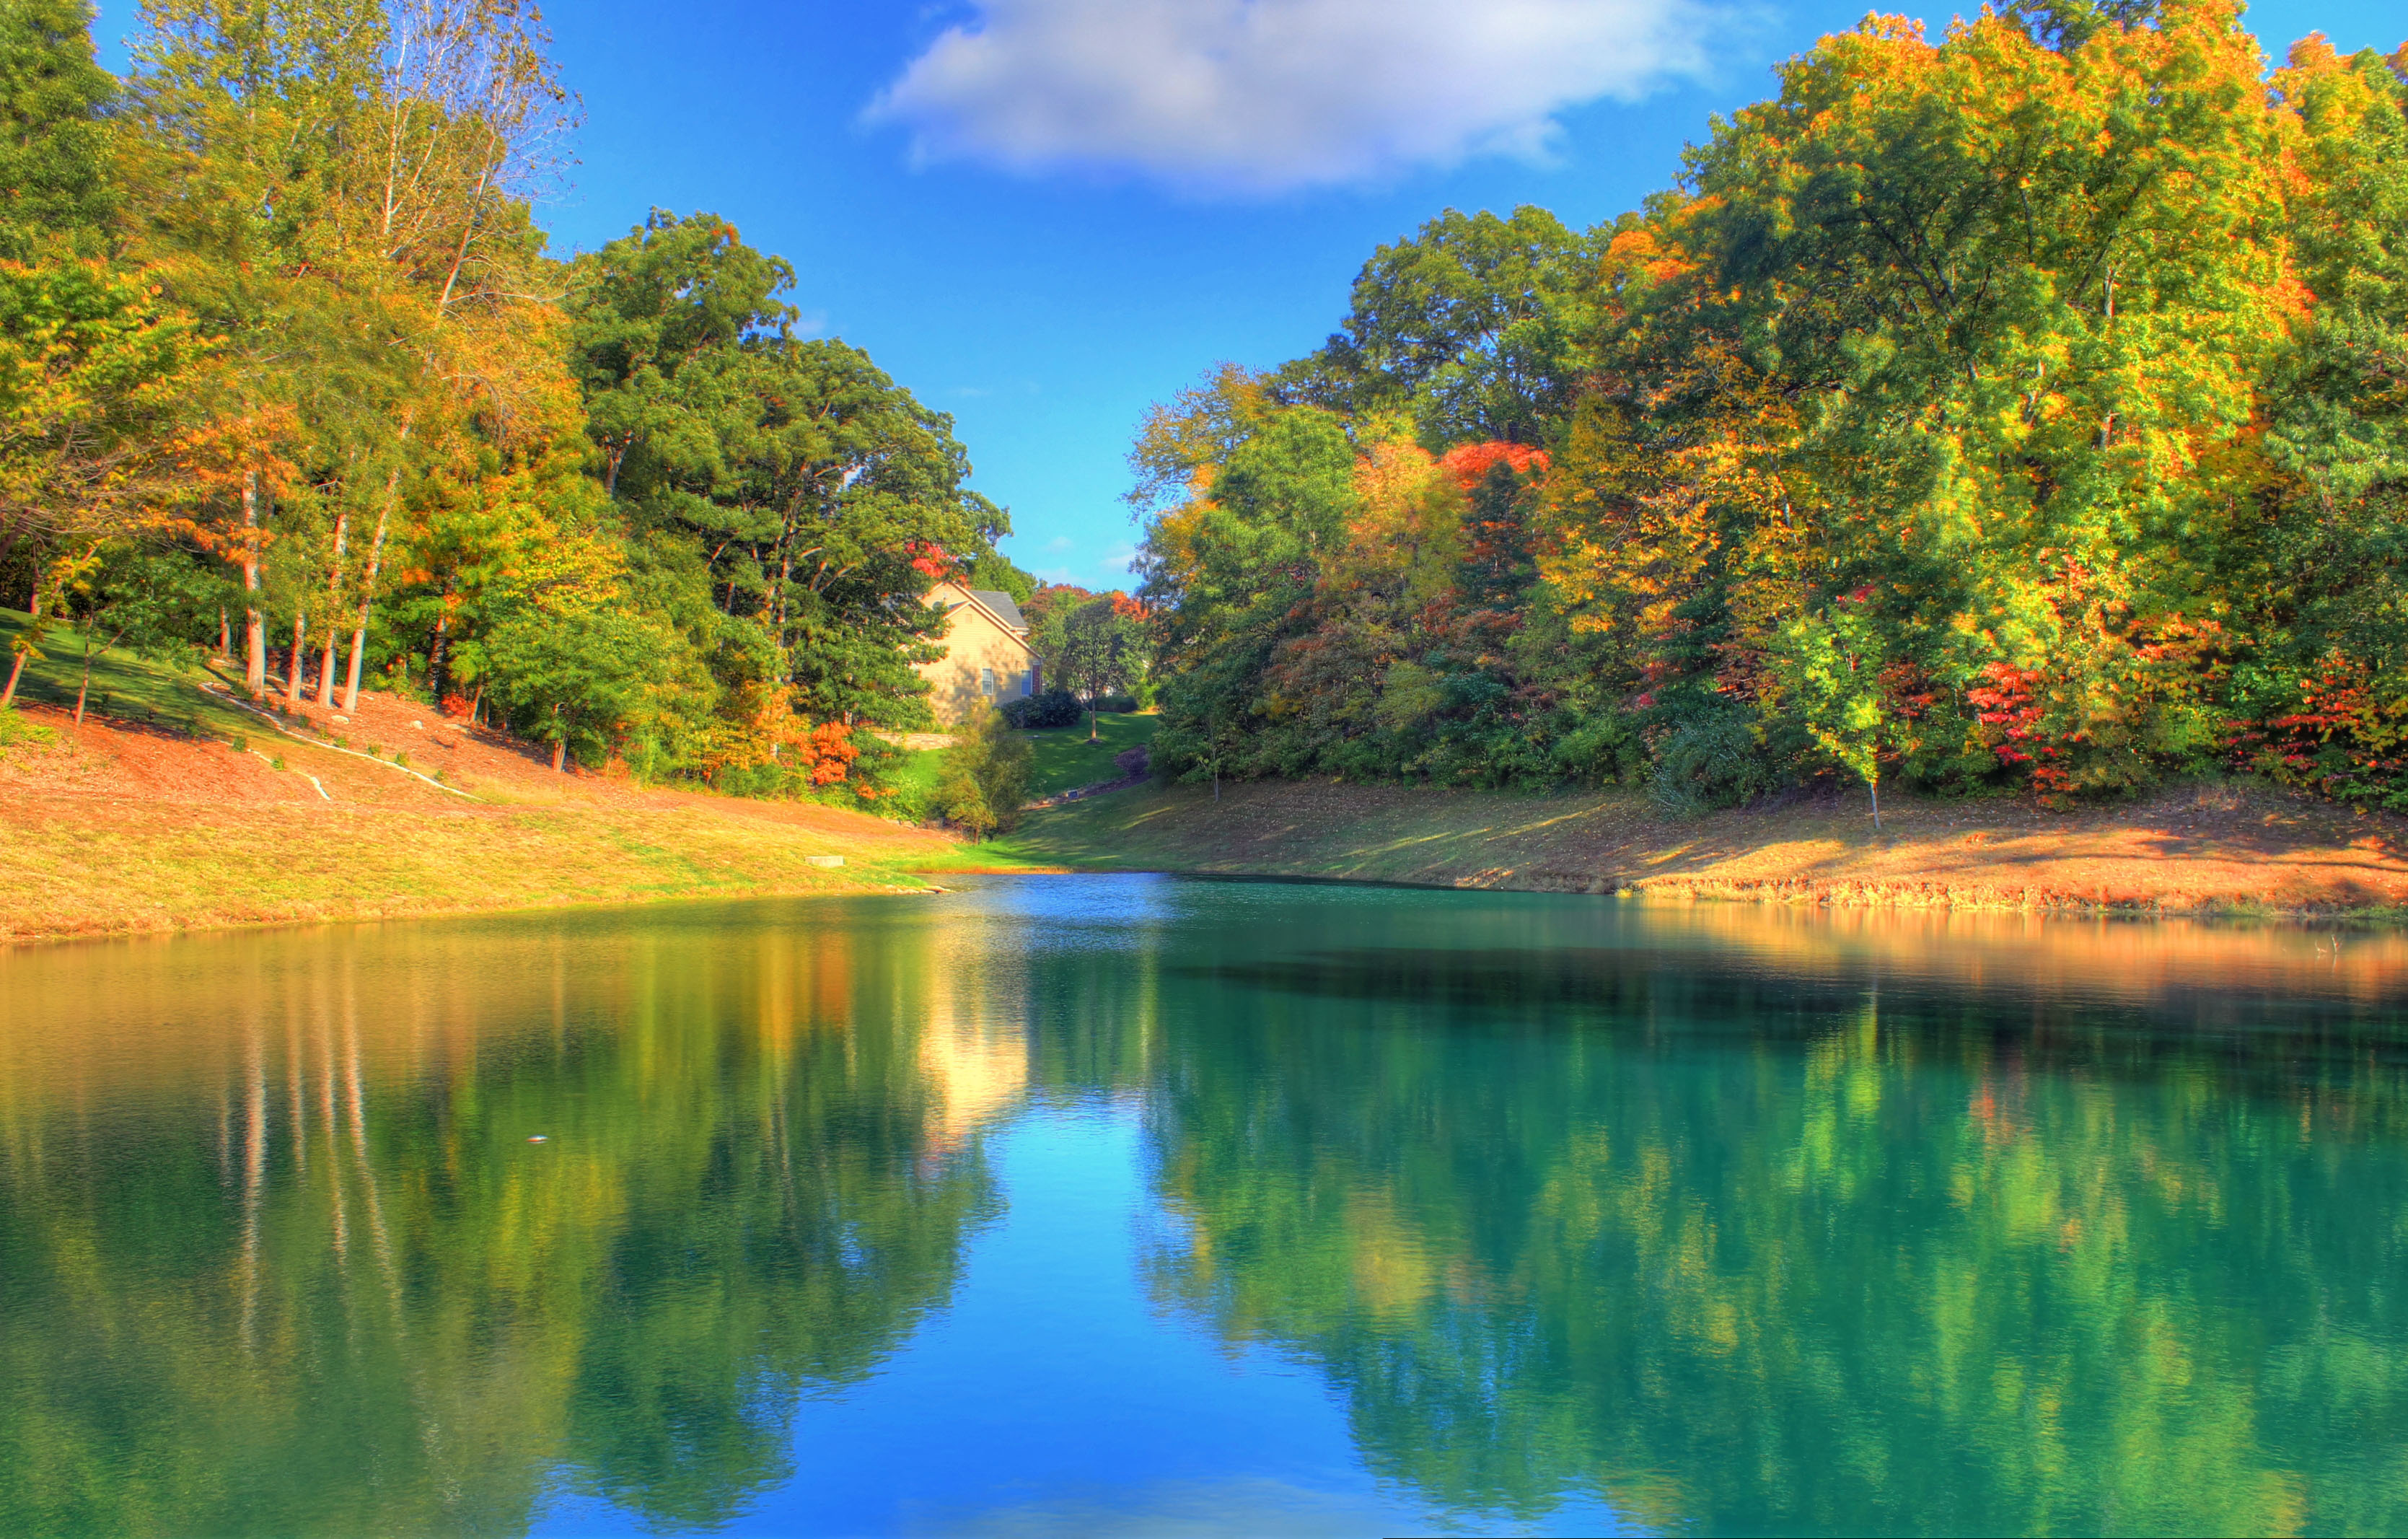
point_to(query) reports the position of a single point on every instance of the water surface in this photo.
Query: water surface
(1121, 1204)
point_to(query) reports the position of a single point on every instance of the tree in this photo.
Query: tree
(2068, 334)
(1830, 672)
(824, 499)
(984, 778)
(1470, 328)
(1102, 650)
(97, 379)
(581, 679)
(56, 190)
(122, 591)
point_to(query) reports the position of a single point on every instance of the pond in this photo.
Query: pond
(1130, 1205)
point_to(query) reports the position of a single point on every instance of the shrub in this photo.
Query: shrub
(984, 778)
(1116, 705)
(1713, 762)
(1036, 713)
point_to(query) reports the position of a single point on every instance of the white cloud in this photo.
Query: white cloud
(1060, 542)
(1260, 95)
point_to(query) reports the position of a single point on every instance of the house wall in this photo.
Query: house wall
(976, 642)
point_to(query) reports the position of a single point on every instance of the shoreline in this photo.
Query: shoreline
(2233, 850)
(120, 829)
(125, 828)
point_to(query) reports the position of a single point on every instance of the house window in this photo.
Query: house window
(986, 683)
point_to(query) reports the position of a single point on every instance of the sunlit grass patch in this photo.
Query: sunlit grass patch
(1066, 760)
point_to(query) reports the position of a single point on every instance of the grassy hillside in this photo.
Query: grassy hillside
(1066, 760)
(2220, 847)
(173, 807)
(123, 686)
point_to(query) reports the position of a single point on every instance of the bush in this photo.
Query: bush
(1036, 713)
(1714, 762)
(984, 776)
(1116, 705)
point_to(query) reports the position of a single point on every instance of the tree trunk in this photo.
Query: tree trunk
(334, 592)
(368, 588)
(254, 624)
(226, 636)
(326, 675)
(1875, 786)
(293, 668)
(17, 668)
(375, 557)
(84, 687)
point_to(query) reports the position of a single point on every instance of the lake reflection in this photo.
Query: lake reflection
(1124, 1204)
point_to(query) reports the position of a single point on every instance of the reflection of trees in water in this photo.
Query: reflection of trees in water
(1741, 1253)
(316, 1279)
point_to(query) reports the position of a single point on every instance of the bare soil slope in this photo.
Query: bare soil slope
(2221, 848)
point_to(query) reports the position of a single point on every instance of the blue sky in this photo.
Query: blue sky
(1042, 215)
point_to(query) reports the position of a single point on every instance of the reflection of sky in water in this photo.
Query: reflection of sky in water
(1053, 1398)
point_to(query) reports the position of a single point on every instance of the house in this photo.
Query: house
(987, 657)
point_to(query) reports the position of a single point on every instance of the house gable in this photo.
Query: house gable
(987, 659)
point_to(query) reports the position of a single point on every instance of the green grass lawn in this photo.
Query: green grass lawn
(1066, 760)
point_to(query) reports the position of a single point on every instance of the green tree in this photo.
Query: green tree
(1829, 667)
(983, 779)
(1102, 651)
(592, 680)
(1471, 327)
(824, 497)
(57, 185)
(134, 594)
(98, 377)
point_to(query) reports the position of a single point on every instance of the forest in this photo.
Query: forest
(2023, 410)
(288, 375)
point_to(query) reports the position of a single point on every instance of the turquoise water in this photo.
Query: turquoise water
(1124, 1205)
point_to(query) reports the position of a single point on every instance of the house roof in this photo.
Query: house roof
(1001, 603)
(999, 610)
